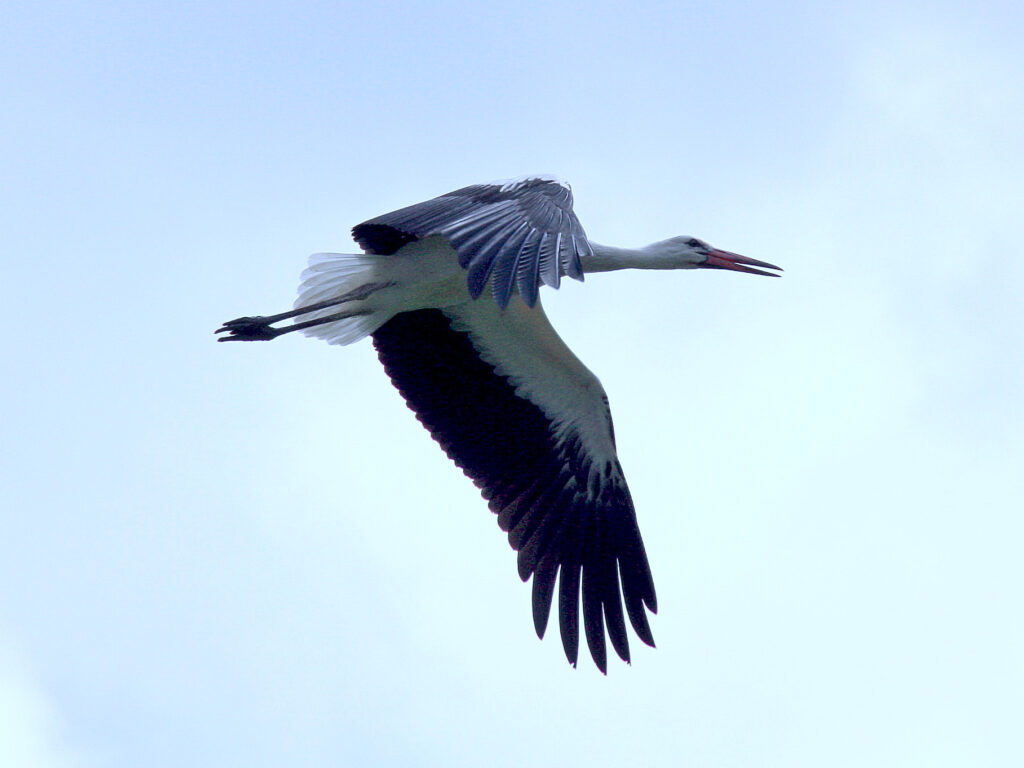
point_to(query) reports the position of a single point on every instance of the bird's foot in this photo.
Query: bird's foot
(249, 329)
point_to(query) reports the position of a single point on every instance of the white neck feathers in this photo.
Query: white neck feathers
(608, 258)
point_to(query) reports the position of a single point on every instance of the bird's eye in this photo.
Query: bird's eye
(693, 242)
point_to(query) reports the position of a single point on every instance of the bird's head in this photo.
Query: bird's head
(686, 252)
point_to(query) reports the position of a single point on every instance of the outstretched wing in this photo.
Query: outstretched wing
(518, 234)
(529, 423)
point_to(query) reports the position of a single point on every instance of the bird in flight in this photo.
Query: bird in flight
(448, 289)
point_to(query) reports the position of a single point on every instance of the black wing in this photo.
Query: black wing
(563, 514)
(518, 234)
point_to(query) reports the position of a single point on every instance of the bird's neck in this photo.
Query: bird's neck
(608, 258)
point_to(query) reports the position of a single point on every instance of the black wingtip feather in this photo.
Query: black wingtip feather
(613, 617)
(543, 592)
(568, 609)
(592, 620)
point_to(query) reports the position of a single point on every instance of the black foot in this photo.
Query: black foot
(248, 329)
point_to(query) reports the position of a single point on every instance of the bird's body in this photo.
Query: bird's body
(494, 383)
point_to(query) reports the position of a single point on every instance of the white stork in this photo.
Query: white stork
(494, 384)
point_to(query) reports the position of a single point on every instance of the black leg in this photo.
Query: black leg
(258, 328)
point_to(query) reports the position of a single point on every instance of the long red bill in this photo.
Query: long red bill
(727, 260)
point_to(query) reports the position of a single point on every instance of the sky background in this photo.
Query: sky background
(231, 554)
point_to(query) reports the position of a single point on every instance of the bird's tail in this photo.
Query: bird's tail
(332, 276)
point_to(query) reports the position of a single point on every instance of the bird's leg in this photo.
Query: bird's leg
(258, 328)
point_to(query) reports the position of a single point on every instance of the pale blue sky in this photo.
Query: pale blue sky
(253, 555)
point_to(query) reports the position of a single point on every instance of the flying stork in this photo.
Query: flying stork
(496, 386)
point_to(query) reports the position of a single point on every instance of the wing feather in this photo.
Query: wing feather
(485, 224)
(555, 484)
(543, 592)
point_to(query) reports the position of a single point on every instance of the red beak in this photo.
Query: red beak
(727, 260)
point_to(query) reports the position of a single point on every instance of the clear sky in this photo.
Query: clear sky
(244, 554)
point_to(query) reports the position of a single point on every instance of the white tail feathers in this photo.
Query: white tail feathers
(332, 275)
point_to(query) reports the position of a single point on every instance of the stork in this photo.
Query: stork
(496, 386)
